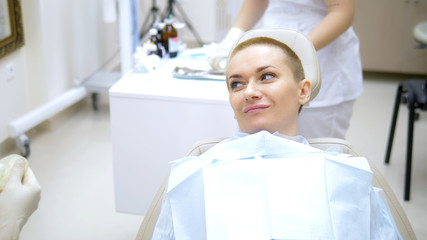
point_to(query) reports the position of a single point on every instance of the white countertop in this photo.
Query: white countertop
(161, 84)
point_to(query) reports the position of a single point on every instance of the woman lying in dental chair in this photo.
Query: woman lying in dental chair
(265, 182)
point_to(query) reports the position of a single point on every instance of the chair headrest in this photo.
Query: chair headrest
(299, 43)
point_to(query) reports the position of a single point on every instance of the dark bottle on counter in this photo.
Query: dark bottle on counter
(154, 40)
(170, 38)
(159, 27)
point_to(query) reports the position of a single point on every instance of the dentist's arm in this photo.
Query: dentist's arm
(250, 13)
(338, 19)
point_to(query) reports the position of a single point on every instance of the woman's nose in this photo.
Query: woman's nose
(252, 90)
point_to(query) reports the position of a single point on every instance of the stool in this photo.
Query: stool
(413, 93)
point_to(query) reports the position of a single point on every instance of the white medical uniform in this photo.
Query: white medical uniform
(329, 113)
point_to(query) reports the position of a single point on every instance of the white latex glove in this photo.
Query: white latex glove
(19, 198)
(217, 57)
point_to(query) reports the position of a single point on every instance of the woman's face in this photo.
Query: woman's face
(263, 92)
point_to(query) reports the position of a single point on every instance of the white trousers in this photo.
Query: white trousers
(323, 122)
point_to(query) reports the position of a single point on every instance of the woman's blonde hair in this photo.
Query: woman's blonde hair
(291, 59)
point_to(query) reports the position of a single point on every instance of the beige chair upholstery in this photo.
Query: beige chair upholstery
(147, 227)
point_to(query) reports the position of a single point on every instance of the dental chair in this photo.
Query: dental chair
(150, 219)
(308, 56)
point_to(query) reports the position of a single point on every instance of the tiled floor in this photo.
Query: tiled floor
(71, 156)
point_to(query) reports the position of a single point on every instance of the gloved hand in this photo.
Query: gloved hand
(217, 56)
(19, 198)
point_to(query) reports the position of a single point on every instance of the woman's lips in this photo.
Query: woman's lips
(254, 108)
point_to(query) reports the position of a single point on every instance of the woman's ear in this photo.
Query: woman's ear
(304, 91)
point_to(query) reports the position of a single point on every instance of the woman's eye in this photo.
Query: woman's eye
(234, 85)
(267, 76)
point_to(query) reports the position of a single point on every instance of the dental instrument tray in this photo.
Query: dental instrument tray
(189, 73)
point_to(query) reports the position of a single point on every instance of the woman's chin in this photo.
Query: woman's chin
(259, 129)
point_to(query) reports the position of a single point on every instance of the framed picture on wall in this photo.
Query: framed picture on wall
(11, 28)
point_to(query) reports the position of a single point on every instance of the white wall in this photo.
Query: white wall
(14, 95)
(63, 40)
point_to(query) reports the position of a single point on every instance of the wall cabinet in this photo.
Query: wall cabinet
(385, 30)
